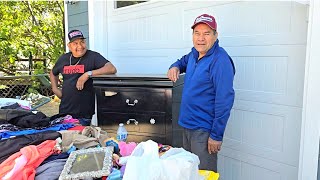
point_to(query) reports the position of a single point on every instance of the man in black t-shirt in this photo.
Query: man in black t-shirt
(77, 67)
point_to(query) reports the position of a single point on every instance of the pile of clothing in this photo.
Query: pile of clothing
(34, 146)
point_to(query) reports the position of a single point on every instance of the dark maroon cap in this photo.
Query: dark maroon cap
(206, 19)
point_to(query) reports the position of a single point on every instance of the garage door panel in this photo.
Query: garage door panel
(270, 74)
(142, 29)
(154, 61)
(264, 22)
(257, 123)
(254, 72)
(267, 41)
(263, 28)
(238, 166)
(130, 12)
(150, 64)
(254, 23)
(149, 27)
(264, 130)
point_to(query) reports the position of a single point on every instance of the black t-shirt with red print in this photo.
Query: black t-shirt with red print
(79, 104)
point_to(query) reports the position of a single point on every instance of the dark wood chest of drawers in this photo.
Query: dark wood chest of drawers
(142, 102)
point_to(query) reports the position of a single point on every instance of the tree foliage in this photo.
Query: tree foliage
(34, 27)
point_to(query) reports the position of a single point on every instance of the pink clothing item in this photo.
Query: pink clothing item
(34, 155)
(20, 162)
(74, 121)
(24, 107)
(126, 149)
(70, 119)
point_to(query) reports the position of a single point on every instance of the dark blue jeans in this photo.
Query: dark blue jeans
(85, 121)
(196, 141)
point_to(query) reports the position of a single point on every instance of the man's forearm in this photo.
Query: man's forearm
(54, 80)
(54, 85)
(106, 69)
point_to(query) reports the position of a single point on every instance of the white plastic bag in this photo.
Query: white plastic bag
(180, 164)
(145, 164)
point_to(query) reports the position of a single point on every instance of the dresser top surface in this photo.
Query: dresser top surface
(137, 79)
(133, 76)
(145, 77)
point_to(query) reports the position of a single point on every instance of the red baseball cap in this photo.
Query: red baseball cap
(206, 19)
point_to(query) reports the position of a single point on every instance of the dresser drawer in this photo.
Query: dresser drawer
(134, 122)
(131, 99)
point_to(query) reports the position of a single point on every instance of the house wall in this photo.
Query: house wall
(77, 11)
(78, 17)
(262, 137)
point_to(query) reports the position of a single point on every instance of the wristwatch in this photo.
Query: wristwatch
(89, 74)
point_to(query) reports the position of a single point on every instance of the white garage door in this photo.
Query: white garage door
(267, 41)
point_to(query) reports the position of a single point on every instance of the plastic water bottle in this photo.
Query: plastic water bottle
(122, 133)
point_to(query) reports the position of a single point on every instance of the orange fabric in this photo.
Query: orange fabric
(35, 156)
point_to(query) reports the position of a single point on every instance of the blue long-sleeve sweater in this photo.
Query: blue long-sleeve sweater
(208, 93)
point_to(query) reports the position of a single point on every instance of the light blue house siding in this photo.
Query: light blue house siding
(78, 18)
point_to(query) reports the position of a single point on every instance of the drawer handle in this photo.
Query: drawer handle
(135, 121)
(152, 121)
(134, 102)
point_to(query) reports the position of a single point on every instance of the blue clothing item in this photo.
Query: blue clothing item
(53, 157)
(85, 121)
(208, 93)
(115, 175)
(57, 127)
(50, 170)
(71, 149)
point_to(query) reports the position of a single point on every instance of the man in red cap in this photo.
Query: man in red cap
(76, 67)
(208, 93)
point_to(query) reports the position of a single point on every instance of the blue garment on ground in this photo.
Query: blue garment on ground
(50, 170)
(115, 175)
(57, 127)
(208, 93)
(85, 121)
(63, 155)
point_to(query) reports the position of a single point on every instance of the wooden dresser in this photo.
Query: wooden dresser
(142, 102)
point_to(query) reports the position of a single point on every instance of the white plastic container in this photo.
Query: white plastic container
(122, 133)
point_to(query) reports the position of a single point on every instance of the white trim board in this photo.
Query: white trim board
(66, 22)
(98, 28)
(309, 143)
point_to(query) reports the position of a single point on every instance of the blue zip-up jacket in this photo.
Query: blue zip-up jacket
(208, 93)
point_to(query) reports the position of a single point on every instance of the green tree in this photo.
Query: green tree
(35, 27)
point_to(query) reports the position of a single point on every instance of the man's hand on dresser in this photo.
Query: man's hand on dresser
(173, 74)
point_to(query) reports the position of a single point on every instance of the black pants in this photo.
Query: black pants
(196, 141)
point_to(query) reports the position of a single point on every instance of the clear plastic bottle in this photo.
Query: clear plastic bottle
(122, 133)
